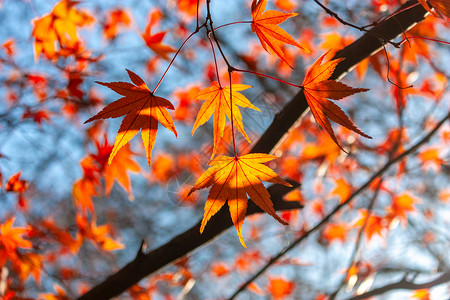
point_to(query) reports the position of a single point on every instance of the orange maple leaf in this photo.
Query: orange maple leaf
(143, 110)
(285, 4)
(154, 41)
(430, 158)
(374, 224)
(82, 192)
(336, 232)
(402, 206)
(219, 269)
(280, 288)
(97, 234)
(11, 238)
(188, 7)
(343, 189)
(271, 36)
(16, 185)
(116, 18)
(441, 7)
(218, 102)
(423, 294)
(317, 88)
(59, 26)
(232, 179)
(117, 170)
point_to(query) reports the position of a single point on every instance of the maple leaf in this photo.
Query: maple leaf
(336, 232)
(430, 159)
(154, 41)
(143, 110)
(343, 189)
(97, 234)
(441, 7)
(188, 7)
(232, 179)
(423, 294)
(317, 88)
(9, 47)
(116, 18)
(218, 102)
(402, 206)
(59, 26)
(117, 170)
(280, 288)
(11, 237)
(219, 269)
(374, 224)
(16, 185)
(82, 192)
(271, 36)
(285, 4)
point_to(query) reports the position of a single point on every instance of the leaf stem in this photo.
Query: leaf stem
(176, 54)
(233, 23)
(423, 38)
(215, 58)
(267, 76)
(230, 70)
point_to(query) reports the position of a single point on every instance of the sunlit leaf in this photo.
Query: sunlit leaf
(232, 179)
(142, 112)
(271, 36)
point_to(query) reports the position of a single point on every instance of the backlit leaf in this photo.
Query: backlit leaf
(271, 36)
(317, 88)
(11, 237)
(441, 7)
(59, 28)
(280, 288)
(142, 111)
(154, 41)
(232, 179)
(218, 102)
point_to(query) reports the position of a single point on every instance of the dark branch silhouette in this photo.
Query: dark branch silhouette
(404, 285)
(353, 196)
(145, 264)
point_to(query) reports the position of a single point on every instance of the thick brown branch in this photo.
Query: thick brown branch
(186, 242)
(339, 207)
(147, 263)
(364, 47)
(404, 285)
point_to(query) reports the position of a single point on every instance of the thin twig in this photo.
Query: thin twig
(404, 285)
(358, 240)
(325, 220)
(360, 28)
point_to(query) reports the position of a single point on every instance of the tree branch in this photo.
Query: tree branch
(404, 285)
(330, 215)
(147, 263)
(362, 48)
(186, 242)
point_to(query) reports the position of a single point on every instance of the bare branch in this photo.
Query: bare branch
(181, 245)
(186, 242)
(328, 217)
(404, 285)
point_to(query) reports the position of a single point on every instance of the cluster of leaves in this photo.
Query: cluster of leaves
(232, 179)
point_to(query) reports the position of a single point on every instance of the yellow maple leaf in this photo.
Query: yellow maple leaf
(59, 27)
(232, 179)
(218, 102)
